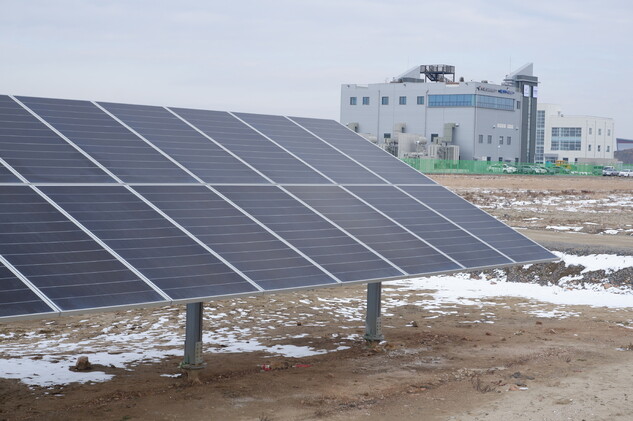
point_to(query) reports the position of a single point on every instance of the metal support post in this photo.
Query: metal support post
(373, 321)
(193, 338)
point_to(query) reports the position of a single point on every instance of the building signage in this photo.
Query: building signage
(501, 91)
(485, 89)
(535, 92)
(526, 91)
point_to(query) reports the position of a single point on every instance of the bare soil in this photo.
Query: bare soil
(450, 367)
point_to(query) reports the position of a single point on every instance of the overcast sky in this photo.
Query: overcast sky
(290, 57)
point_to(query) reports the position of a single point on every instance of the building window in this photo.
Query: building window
(501, 140)
(402, 100)
(481, 138)
(489, 139)
(518, 105)
(365, 100)
(539, 148)
(590, 130)
(352, 100)
(516, 160)
(608, 148)
(608, 132)
(495, 102)
(508, 140)
(488, 158)
(420, 100)
(566, 138)
(599, 132)
(470, 100)
(598, 148)
(387, 135)
(385, 100)
(452, 100)
(589, 148)
(500, 159)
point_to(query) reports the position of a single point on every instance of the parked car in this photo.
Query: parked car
(509, 169)
(504, 168)
(533, 169)
(526, 169)
(625, 173)
(557, 170)
(609, 171)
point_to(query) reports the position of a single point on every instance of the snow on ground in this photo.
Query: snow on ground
(562, 228)
(566, 203)
(607, 262)
(233, 326)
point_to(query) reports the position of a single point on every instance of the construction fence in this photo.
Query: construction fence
(492, 167)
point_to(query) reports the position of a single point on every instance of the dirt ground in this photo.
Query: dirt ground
(452, 367)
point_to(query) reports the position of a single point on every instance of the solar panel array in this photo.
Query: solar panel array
(113, 206)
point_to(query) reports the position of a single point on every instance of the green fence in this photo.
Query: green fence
(492, 167)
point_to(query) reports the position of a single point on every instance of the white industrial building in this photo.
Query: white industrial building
(582, 139)
(425, 112)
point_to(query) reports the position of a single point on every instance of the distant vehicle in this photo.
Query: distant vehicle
(504, 168)
(509, 169)
(625, 173)
(533, 169)
(563, 163)
(609, 171)
(557, 170)
(526, 169)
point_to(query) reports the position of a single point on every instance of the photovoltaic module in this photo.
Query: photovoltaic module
(107, 206)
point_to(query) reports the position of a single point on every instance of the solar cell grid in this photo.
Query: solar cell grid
(7, 176)
(337, 252)
(62, 261)
(246, 245)
(384, 164)
(479, 223)
(16, 298)
(387, 238)
(251, 146)
(37, 153)
(112, 145)
(309, 148)
(433, 228)
(159, 250)
(198, 154)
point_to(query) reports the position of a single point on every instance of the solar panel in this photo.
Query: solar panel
(398, 245)
(18, 299)
(311, 149)
(251, 147)
(179, 266)
(242, 242)
(431, 226)
(108, 205)
(199, 154)
(478, 223)
(61, 260)
(116, 148)
(340, 254)
(37, 153)
(370, 156)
